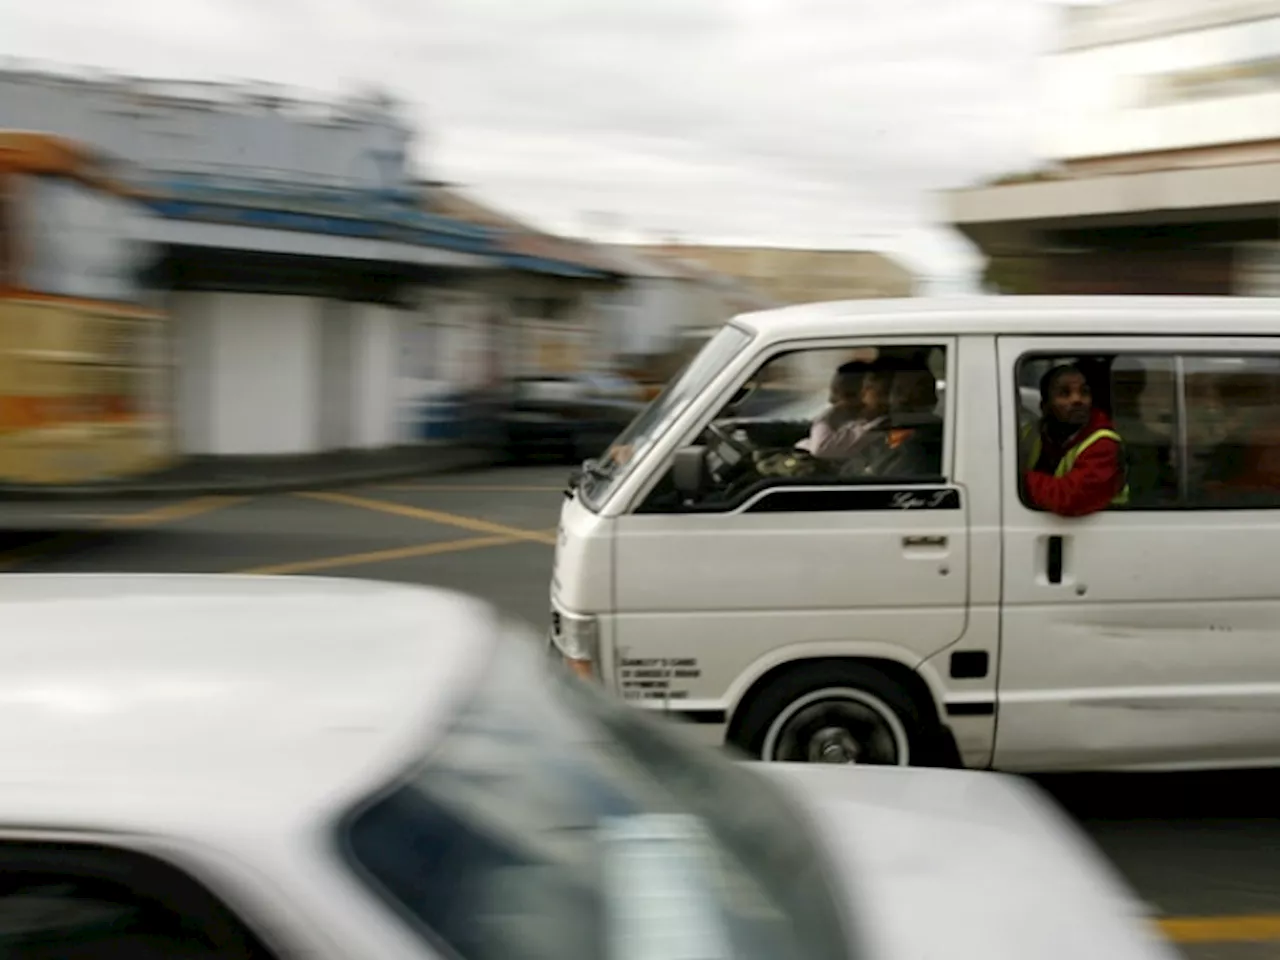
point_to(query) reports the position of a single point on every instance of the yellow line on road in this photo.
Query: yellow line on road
(1263, 928)
(477, 488)
(172, 512)
(474, 524)
(379, 556)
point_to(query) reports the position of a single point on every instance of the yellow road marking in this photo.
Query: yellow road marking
(379, 556)
(171, 512)
(478, 488)
(433, 516)
(1243, 929)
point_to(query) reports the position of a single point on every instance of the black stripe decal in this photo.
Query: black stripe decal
(855, 499)
(968, 709)
(702, 716)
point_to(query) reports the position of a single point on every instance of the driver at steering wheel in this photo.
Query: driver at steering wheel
(840, 425)
(859, 404)
(857, 395)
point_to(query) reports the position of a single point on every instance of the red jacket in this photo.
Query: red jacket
(1090, 485)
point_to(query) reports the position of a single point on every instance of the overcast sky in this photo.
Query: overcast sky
(790, 122)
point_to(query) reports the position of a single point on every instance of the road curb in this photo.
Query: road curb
(458, 462)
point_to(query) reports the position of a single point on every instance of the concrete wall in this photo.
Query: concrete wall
(374, 378)
(248, 377)
(281, 375)
(337, 381)
(266, 380)
(191, 319)
(1169, 195)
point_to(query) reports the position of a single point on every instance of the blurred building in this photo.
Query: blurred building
(297, 260)
(321, 295)
(549, 290)
(790, 276)
(661, 299)
(605, 305)
(1161, 136)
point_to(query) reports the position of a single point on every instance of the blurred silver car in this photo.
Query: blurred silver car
(274, 768)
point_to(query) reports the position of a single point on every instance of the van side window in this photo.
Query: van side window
(1233, 432)
(817, 418)
(1140, 393)
(1197, 431)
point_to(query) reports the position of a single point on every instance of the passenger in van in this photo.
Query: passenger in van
(1244, 468)
(914, 439)
(859, 397)
(911, 443)
(1148, 455)
(1245, 473)
(1074, 458)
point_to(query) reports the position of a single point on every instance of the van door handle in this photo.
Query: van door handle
(924, 541)
(1053, 562)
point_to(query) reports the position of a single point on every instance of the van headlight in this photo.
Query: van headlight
(577, 639)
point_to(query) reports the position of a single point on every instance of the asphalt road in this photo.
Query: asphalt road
(1204, 850)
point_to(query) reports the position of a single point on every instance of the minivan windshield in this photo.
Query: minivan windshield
(552, 823)
(654, 420)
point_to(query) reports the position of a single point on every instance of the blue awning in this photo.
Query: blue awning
(381, 216)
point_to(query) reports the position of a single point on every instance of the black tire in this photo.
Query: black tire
(776, 710)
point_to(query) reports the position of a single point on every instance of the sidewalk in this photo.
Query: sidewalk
(205, 476)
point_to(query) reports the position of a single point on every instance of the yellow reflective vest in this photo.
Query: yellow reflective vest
(1032, 433)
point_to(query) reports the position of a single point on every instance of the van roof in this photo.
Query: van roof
(1028, 316)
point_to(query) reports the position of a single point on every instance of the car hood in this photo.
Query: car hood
(956, 864)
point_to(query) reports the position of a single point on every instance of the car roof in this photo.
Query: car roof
(163, 702)
(1023, 316)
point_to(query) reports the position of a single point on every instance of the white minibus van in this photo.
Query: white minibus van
(708, 568)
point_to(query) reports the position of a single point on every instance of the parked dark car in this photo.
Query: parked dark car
(573, 415)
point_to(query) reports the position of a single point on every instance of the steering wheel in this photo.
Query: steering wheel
(745, 450)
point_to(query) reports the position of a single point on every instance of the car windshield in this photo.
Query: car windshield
(655, 419)
(553, 823)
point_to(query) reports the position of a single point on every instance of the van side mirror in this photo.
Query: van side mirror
(689, 471)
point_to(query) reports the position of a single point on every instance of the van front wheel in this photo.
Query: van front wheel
(847, 713)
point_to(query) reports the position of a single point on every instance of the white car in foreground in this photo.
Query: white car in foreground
(232, 767)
